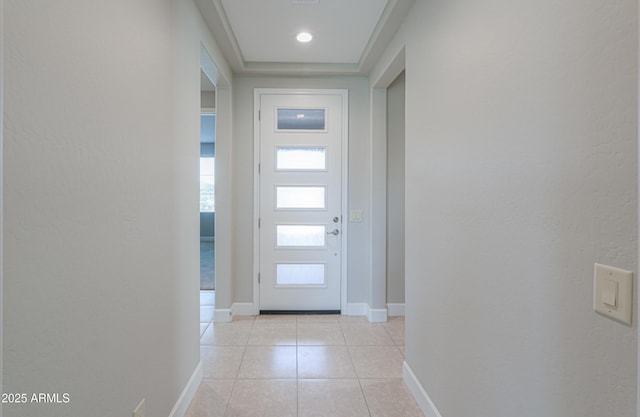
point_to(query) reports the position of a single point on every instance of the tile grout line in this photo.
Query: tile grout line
(391, 337)
(235, 379)
(355, 371)
(364, 396)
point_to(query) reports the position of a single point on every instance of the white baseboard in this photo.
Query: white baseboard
(356, 309)
(395, 309)
(243, 309)
(180, 408)
(377, 315)
(222, 315)
(422, 398)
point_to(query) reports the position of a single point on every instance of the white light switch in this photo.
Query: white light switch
(609, 292)
(612, 293)
(356, 216)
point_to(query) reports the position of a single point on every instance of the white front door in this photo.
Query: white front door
(300, 200)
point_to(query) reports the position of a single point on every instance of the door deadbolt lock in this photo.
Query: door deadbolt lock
(336, 219)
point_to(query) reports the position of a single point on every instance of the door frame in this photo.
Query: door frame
(378, 308)
(257, 94)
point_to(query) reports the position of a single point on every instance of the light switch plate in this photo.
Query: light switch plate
(603, 291)
(356, 216)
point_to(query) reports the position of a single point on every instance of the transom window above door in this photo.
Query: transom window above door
(301, 119)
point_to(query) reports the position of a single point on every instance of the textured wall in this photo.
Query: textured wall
(1, 204)
(101, 254)
(521, 172)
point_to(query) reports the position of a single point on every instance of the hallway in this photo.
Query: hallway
(301, 366)
(520, 167)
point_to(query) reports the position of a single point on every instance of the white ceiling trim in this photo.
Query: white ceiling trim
(389, 23)
(386, 27)
(229, 31)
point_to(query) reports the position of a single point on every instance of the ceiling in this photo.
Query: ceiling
(259, 36)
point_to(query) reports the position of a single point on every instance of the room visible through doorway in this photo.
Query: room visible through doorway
(207, 185)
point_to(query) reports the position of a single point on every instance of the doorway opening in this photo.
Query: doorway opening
(395, 196)
(207, 184)
(387, 218)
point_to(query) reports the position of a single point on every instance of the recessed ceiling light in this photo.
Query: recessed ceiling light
(304, 37)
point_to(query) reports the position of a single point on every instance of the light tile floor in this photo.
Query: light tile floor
(301, 366)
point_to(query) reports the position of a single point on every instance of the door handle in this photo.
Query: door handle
(335, 232)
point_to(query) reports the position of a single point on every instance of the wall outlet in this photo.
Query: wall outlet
(139, 411)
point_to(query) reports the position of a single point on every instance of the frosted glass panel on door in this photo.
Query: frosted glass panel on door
(302, 235)
(300, 197)
(301, 119)
(300, 158)
(300, 274)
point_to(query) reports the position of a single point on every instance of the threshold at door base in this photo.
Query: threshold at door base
(299, 312)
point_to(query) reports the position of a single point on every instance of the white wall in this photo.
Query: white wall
(1, 204)
(395, 190)
(359, 155)
(208, 99)
(101, 235)
(521, 172)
